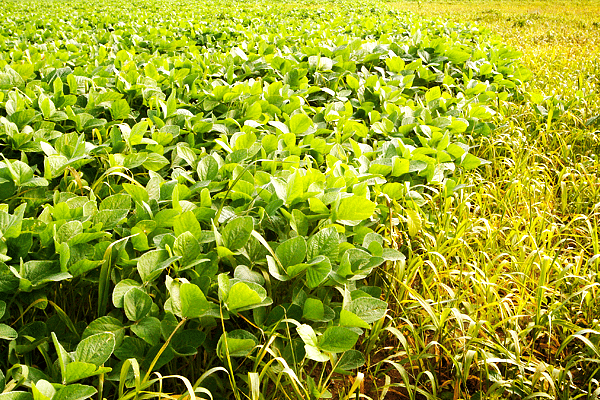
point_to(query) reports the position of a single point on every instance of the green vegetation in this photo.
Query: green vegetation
(299, 200)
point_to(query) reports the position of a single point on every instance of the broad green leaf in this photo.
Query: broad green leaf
(96, 349)
(325, 243)
(292, 251)
(15, 394)
(313, 309)
(470, 162)
(151, 264)
(42, 390)
(75, 392)
(119, 109)
(457, 56)
(351, 359)
(7, 333)
(241, 295)
(187, 222)
(155, 162)
(193, 301)
(348, 318)
(120, 289)
(136, 304)
(237, 232)
(368, 309)
(337, 339)
(237, 343)
(148, 329)
(120, 201)
(68, 230)
(317, 271)
(413, 221)
(299, 123)
(187, 247)
(309, 337)
(355, 208)
(207, 168)
(105, 324)
(78, 370)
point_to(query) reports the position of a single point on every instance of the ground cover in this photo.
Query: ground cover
(292, 200)
(518, 255)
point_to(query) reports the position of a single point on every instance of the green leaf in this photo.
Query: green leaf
(96, 349)
(325, 243)
(237, 343)
(187, 247)
(42, 390)
(470, 162)
(7, 333)
(348, 318)
(187, 222)
(119, 109)
(457, 56)
(155, 162)
(15, 394)
(369, 309)
(313, 309)
(207, 168)
(317, 271)
(78, 370)
(433, 94)
(241, 295)
(337, 339)
(351, 359)
(193, 301)
(105, 324)
(299, 123)
(291, 252)
(121, 201)
(120, 289)
(137, 304)
(309, 337)
(147, 329)
(68, 230)
(75, 392)
(41, 272)
(413, 221)
(355, 208)
(63, 357)
(151, 264)
(237, 232)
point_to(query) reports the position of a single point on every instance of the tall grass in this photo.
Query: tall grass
(498, 297)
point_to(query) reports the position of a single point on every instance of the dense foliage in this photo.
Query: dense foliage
(181, 181)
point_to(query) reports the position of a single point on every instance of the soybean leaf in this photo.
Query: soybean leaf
(241, 296)
(237, 343)
(78, 370)
(325, 243)
(292, 251)
(355, 208)
(237, 232)
(75, 392)
(147, 329)
(351, 359)
(317, 271)
(152, 263)
(193, 301)
(137, 304)
(337, 339)
(96, 349)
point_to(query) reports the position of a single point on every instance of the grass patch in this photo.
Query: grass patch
(499, 299)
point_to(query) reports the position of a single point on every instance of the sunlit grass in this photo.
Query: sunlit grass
(498, 298)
